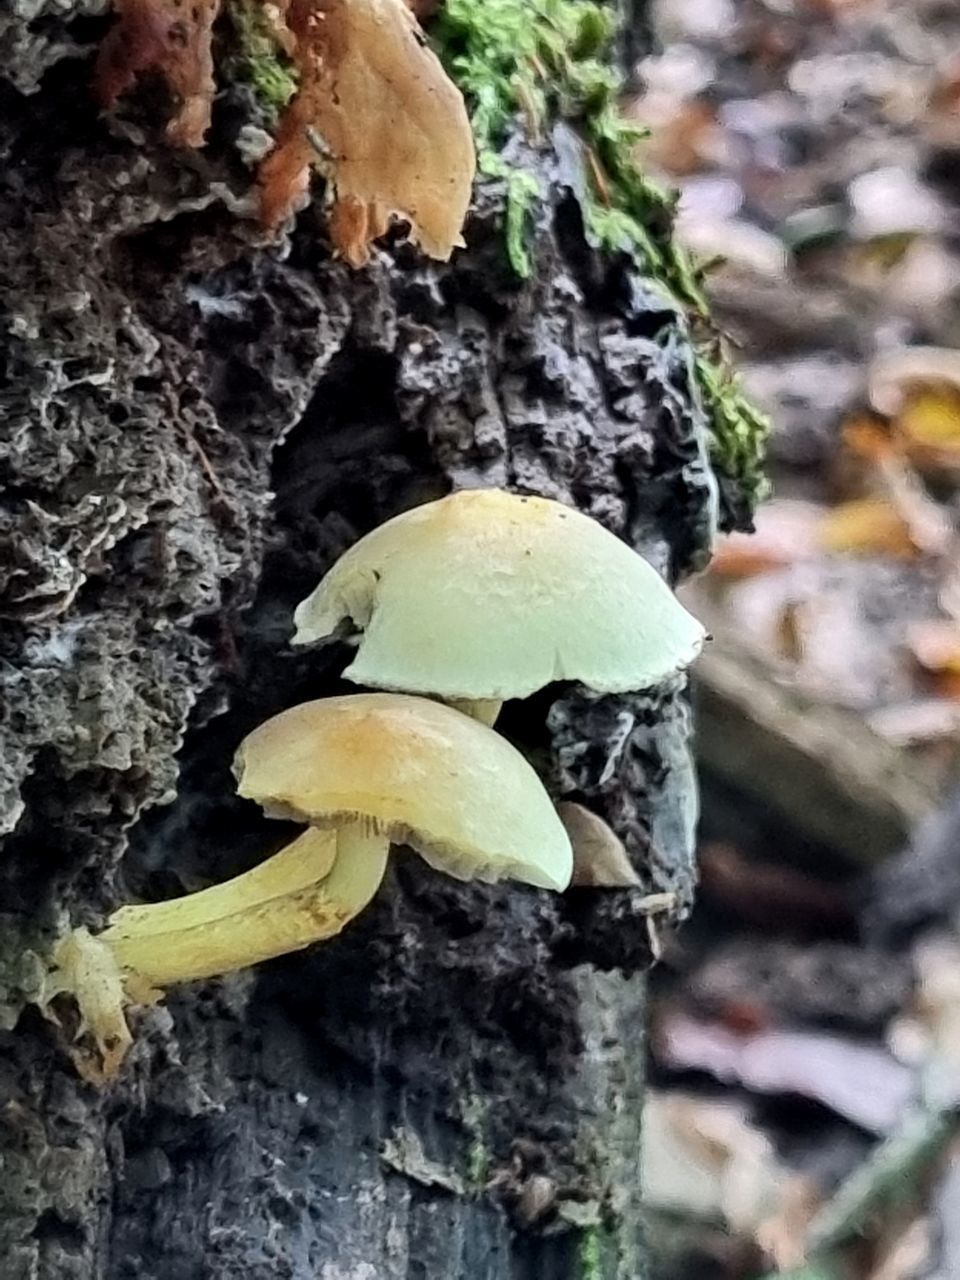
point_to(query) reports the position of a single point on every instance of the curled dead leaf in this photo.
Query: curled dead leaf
(897, 374)
(599, 857)
(172, 39)
(394, 129)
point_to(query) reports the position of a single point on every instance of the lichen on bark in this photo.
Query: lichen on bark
(196, 422)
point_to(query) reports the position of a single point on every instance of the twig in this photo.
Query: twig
(895, 1166)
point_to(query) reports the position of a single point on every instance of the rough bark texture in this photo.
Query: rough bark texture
(194, 425)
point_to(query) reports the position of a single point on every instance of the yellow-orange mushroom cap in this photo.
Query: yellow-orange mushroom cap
(490, 595)
(417, 772)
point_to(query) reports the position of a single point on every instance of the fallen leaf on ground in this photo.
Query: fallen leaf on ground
(864, 1084)
(785, 531)
(902, 521)
(935, 646)
(782, 1236)
(867, 526)
(375, 105)
(734, 246)
(171, 39)
(930, 425)
(681, 142)
(896, 375)
(868, 436)
(937, 963)
(906, 1257)
(704, 1159)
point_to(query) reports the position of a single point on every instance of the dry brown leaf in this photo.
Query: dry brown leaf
(902, 522)
(744, 555)
(681, 140)
(944, 118)
(789, 632)
(353, 225)
(393, 128)
(896, 375)
(783, 1235)
(770, 895)
(929, 423)
(785, 532)
(868, 436)
(936, 645)
(867, 526)
(172, 39)
(599, 857)
(832, 7)
(909, 1254)
(947, 685)
(706, 1160)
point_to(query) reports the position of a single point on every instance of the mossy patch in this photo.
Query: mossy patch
(547, 60)
(478, 1153)
(738, 430)
(541, 61)
(590, 1255)
(258, 59)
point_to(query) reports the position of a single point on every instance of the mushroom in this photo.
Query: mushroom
(363, 771)
(486, 595)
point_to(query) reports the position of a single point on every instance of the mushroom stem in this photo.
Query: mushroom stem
(485, 710)
(306, 892)
(303, 894)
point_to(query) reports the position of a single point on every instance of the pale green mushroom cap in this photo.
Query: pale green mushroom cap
(489, 595)
(419, 773)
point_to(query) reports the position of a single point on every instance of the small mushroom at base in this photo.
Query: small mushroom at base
(363, 771)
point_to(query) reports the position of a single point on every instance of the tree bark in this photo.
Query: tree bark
(195, 423)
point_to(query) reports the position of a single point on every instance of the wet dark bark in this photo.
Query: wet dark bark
(194, 423)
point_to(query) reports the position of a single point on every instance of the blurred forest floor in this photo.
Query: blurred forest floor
(805, 1045)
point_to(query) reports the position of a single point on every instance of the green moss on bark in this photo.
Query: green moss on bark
(590, 1255)
(540, 61)
(258, 59)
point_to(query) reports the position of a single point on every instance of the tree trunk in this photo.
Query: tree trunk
(196, 421)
